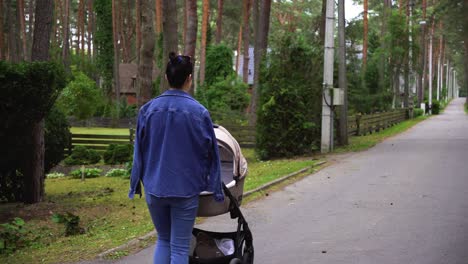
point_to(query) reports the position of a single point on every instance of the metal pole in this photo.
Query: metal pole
(327, 113)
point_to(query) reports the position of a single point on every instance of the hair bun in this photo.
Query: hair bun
(172, 56)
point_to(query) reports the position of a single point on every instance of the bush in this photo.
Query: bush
(290, 100)
(218, 63)
(118, 154)
(82, 155)
(88, 173)
(227, 96)
(81, 98)
(56, 137)
(12, 235)
(71, 222)
(123, 173)
(417, 112)
(28, 91)
(436, 107)
(55, 175)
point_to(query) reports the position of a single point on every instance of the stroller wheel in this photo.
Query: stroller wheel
(235, 261)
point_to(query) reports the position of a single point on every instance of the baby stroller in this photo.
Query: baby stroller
(233, 247)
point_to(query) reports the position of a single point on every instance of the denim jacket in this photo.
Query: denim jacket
(176, 152)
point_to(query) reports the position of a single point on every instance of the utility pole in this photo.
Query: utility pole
(342, 73)
(430, 68)
(327, 104)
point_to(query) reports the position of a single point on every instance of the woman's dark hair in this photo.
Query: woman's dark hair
(178, 69)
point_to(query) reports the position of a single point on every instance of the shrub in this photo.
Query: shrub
(417, 112)
(56, 137)
(81, 98)
(28, 92)
(82, 155)
(218, 63)
(88, 173)
(55, 175)
(12, 235)
(118, 154)
(290, 101)
(227, 96)
(123, 173)
(71, 222)
(436, 107)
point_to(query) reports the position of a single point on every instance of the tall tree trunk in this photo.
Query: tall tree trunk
(90, 27)
(383, 45)
(261, 44)
(31, 7)
(342, 80)
(408, 55)
(465, 64)
(191, 32)
(366, 33)
(169, 25)
(184, 32)
(2, 40)
(115, 29)
(138, 29)
(219, 21)
(439, 63)
(80, 44)
(145, 68)
(205, 19)
(66, 36)
(123, 34)
(12, 33)
(322, 22)
(246, 31)
(22, 29)
(159, 16)
(421, 79)
(239, 48)
(34, 169)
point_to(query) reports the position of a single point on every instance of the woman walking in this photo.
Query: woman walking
(175, 157)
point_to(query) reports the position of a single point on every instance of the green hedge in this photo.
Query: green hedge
(290, 100)
(118, 154)
(27, 93)
(82, 155)
(56, 137)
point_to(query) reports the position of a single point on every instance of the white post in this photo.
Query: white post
(447, 80)
(430, 73)
(327, 104)
(454, 84)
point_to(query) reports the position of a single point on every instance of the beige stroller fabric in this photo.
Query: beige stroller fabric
(228, 142)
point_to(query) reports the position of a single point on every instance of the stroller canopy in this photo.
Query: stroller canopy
(233, 163)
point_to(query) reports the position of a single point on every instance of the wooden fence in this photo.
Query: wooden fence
(365, 124)
(245, 135)
(357, 125)
(99, 142)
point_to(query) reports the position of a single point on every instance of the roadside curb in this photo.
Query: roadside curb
(151, 234)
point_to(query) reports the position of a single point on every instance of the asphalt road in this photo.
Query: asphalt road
(404, 201)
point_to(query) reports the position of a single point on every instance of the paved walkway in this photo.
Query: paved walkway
(404, 201)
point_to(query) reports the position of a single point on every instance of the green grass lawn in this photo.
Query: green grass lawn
(108, 216)
(100, 131)
(359, 143)
(466, 108)
(111, 219)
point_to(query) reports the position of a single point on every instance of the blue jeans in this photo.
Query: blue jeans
(173, 219)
